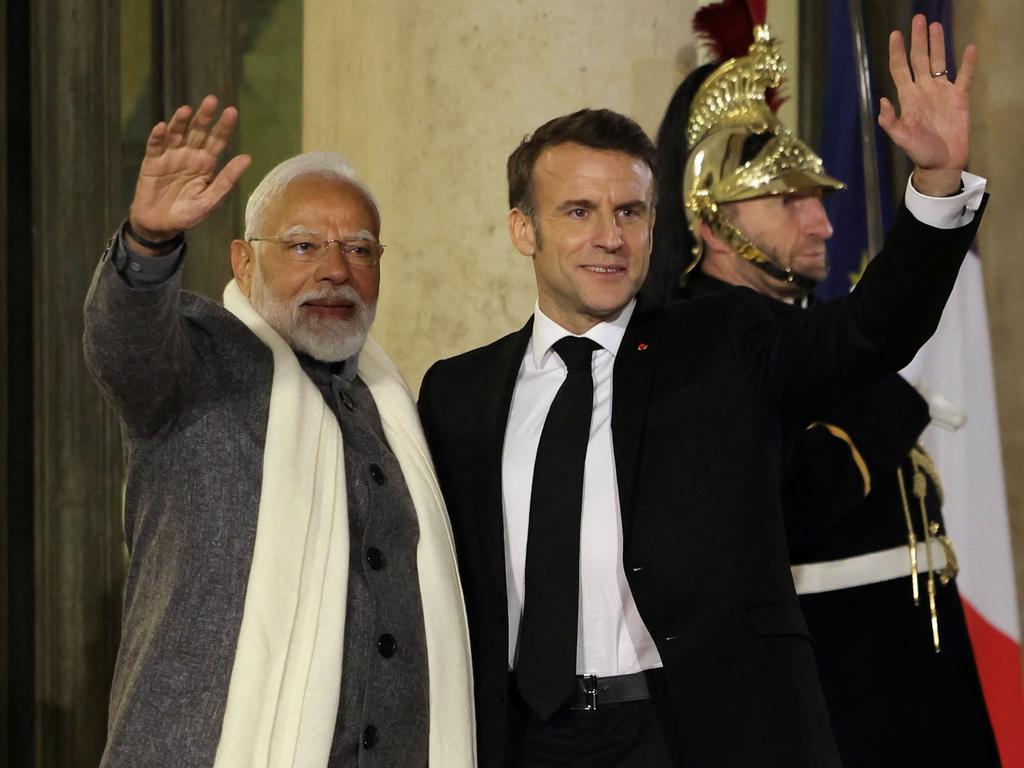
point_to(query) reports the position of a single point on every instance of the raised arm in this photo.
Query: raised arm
(136, 341)
(178, 184)
(933, 125)
(807, 362)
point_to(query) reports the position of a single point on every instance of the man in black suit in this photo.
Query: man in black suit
(685, 628)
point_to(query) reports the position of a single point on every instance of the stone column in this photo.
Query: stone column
(201, 55)
(77, 538)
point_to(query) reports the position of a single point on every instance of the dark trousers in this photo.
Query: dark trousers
(623, 735)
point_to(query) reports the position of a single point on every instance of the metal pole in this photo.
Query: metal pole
(872, 200)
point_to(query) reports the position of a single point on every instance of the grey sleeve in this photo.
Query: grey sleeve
(141, 271)
(135, 340)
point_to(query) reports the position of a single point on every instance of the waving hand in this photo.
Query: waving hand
(933, 126)
(178, 184)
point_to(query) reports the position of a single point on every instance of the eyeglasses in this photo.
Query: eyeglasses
(306, 248)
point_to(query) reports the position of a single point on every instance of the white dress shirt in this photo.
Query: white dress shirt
(612, 639)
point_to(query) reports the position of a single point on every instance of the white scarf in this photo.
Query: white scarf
(285, 684)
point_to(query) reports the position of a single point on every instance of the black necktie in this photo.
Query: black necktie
(546, 669)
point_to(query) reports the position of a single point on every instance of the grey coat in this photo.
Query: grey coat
(192, 387)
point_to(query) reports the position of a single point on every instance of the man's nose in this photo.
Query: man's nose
(333, 265)
(609, 231)
(816, 219)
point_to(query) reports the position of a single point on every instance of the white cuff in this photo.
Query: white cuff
(947, 212)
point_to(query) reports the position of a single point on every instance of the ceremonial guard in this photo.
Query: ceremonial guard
(862, 501)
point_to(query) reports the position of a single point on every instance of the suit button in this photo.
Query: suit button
(378, 474)
(369, 737)
(375, 558)
(502, 613)
(386, 645)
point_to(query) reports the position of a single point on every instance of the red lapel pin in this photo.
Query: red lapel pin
(641, 346)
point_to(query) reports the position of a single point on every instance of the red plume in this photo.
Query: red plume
(758, 11)
(727, 29)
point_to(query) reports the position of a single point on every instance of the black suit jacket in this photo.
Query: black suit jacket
(702, 393)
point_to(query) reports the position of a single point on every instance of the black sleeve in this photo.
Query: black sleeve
(805, 363)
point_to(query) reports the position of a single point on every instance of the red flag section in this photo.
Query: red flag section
(998, 658)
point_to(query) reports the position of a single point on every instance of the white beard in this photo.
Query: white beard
(328, 339)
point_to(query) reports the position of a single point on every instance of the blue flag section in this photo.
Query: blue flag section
(842, 153)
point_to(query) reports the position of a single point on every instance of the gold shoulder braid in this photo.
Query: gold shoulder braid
(924, 470)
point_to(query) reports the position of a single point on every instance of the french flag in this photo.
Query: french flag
(957, 364)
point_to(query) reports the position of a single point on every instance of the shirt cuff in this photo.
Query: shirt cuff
(141, 271)
(947, 212)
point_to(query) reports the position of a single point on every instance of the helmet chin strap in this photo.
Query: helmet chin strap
(746, 249)
(787, 275)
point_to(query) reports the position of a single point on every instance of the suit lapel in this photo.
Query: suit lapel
(634, 371)
(496, 398)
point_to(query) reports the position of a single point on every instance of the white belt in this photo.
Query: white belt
(887, 564)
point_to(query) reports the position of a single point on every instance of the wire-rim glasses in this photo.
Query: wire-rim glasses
(307, 248)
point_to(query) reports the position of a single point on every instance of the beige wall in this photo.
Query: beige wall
(784, 20)
(448, 90)
(451, 88)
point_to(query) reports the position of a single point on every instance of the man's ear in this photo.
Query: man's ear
(520, 229)
(650, 240)
(713, 242)
(242, 264)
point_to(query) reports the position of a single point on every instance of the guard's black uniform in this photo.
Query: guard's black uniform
(892, 699)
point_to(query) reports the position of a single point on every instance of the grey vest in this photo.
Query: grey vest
(382, 714)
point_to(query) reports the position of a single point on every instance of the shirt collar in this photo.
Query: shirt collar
(607, 333)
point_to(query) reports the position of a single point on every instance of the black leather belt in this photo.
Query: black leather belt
(593, 691)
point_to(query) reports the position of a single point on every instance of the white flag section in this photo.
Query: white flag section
(957, 365)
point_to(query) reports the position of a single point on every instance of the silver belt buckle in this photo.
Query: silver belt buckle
(590, 692)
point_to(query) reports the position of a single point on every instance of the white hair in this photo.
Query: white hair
(323, 164)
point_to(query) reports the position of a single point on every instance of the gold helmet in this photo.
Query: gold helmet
(738, 150)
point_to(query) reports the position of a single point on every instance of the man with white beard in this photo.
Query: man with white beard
(292, 597)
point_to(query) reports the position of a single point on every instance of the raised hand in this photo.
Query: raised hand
(933, 126)
(177, 186)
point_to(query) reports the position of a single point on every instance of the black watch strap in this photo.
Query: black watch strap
(162, 245)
